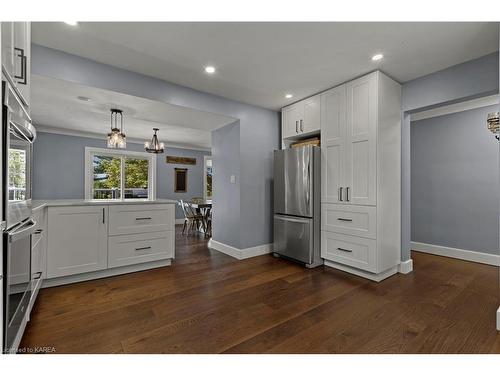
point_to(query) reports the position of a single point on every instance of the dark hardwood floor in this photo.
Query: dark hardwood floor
(208, 302)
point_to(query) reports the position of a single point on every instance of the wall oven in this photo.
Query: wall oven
(18, 135)
(17, 248)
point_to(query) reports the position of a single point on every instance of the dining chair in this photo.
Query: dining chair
(190, 217)
(208, 232)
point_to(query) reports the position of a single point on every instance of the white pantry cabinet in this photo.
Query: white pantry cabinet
(301, 118)
(361, 176)
(77, 240)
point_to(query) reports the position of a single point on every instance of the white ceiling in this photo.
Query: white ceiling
(258, 63)
(56, 107)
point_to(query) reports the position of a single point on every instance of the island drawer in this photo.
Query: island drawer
(140, 248)
(134, 219)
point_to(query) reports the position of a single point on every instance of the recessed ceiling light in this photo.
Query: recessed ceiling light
(83, 98)
(288, 96)
(377, 57)
(72, 23)
(210, 69)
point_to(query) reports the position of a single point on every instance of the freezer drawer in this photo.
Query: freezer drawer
(293, 237)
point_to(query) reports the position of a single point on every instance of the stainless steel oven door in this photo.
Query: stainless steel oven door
(19, 135)
(17, 246)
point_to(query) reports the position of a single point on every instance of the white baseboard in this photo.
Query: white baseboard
(472, 256)
(498, 319)
(406, 266)
(240, 254)
(367, 275)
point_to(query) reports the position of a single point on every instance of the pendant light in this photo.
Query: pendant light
(116, 139)
(154, 146)
(493, 124)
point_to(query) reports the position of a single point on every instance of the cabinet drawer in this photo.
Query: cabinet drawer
(133, 219)
(140, 248)
(349, 219)
(349, 250)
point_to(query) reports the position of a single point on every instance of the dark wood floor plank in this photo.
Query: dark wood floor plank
(208, 302)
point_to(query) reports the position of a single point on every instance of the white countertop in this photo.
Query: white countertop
(37, 204)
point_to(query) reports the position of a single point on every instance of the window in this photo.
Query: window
(207, 177)
(118, 174)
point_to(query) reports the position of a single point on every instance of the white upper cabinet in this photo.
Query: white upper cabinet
(302, 118)
(16, 56)
(311, 115)
(361, 124)
(333, 142)
(78, 240)
(290, 119)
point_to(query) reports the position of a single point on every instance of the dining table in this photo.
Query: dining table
(204, 207)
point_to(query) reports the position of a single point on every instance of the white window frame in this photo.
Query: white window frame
(89, 173)
(205, 157)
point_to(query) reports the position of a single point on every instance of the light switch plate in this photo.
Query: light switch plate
(233, 179)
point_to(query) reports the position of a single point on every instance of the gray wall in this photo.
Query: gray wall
(455, 181)
(472, 79)
(226, 162)
(259, 135)
(59, 168)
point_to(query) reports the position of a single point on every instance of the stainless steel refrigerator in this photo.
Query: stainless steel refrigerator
(297, 203)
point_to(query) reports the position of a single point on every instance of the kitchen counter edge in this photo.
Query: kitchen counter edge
(38, 204)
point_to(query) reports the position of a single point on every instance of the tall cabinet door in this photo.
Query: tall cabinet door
(77, 241)
(333, 143)
(361, 164)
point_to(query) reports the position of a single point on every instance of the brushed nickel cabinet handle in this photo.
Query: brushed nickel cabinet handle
(296, 126)
(142, 218)
(103, 215)
(340, 194)
(301, 127)
(346, 250)
(342, 219)
(142, 248)
(347, 194)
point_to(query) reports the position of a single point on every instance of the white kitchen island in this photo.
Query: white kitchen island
(89, 239)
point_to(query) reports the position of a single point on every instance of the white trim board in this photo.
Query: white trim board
(406, 266)
(240, 254)
(378, 277)
(457, 107)
(450, 252)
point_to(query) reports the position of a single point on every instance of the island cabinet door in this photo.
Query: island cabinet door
(77, 241)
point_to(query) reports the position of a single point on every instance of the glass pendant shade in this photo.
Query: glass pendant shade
(116, 138)
(154, 146)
